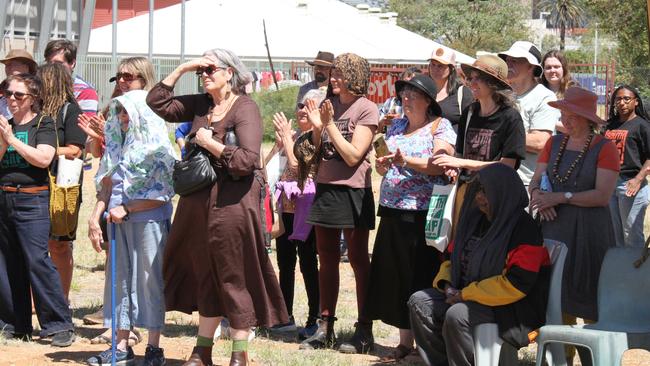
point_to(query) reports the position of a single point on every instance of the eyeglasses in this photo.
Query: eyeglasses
(16, 94)
(625, 100)
(127, 76)
(208, 70)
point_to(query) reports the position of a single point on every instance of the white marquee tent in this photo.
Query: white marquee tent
(297, 30)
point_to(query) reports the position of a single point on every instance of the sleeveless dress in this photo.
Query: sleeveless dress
(587, 231)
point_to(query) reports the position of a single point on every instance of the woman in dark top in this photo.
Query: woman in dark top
(499, 272)
(215, 259)
(27, 146)
(452, 96)
(629, 128)
(60, 104)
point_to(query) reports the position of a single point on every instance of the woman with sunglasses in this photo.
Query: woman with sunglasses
(134, 188)
(452, 96)
(629, 127)
(498, 272)
(216, 261)
(27, 146)
(490, 129)
(60, 104)
(402, 263)
(343, 131)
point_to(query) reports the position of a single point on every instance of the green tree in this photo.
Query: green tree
(565, 14)
(465, 26)
(626, 22)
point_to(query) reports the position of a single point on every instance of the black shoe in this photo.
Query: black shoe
(310, 328)
(122, 358)
(153, 356)
(361, 342)
(324, 336)
(63, 339)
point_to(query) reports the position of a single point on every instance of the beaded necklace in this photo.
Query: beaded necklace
(556, 165)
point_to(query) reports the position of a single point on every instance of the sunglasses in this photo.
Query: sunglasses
(208, 70)
(127, 76)
(17, 95)
(300, 105)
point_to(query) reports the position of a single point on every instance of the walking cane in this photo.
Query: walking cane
(113, 290)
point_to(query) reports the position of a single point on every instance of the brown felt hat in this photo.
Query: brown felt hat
(21, 55)
(581, 102)
(492, 66)
(323, 59)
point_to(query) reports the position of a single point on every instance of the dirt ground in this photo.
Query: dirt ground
(178, 336)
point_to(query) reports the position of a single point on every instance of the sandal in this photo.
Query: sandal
(400, 352)
(105, 338)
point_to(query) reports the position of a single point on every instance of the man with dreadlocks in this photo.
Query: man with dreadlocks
(60, 104)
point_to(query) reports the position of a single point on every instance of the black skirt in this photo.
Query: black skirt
(401, 264)
(342, 207)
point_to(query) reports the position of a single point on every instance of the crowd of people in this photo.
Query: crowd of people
(524, 143)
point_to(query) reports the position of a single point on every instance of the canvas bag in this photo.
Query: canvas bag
(64, 211)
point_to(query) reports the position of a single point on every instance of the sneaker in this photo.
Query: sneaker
(63, 339)
(309, 330)
(361, 342)
(153, 356)
(122, 358)
(323, 337)
(286, 327)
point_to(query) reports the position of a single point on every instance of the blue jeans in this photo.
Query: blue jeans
(628, 214)
(25, 263)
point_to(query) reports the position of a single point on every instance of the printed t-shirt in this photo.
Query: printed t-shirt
(449, 105)
(14, 169)
(632, 140)
(499, 135)
(405, 188)
(332, 168)
(607, 157)
(536, 115)
(86, 96)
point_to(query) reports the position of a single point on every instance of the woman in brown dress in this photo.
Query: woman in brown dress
(215, 260)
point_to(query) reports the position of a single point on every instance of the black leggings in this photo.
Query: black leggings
(287, 250)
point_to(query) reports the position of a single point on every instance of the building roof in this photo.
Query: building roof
(296, 29)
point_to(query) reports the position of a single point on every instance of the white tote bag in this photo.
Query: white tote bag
(437, 231)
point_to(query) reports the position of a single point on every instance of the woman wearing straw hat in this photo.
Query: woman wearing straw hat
(582, 168)
(490, 129)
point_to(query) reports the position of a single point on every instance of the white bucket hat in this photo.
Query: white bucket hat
(527, 50)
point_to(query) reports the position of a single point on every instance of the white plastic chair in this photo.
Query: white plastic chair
(487, 343)
(623, 320)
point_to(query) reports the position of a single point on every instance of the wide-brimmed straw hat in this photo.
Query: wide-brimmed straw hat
(491, 66)
(21, 55)
(443, 55)
(527, 50)
(322, 59)
(581, 102)
(424, 84)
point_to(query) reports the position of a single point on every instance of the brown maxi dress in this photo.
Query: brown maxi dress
(215, 260)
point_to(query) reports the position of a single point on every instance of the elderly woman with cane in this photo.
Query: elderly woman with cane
(134, 185)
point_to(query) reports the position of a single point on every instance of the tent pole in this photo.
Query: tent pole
(151, 7)
(114, 36)
(183, 31)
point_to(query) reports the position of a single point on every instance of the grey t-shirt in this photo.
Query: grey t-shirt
(536, 115)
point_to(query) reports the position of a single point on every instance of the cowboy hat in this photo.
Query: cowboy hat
(492, 66)
(322, 59)
(581, 102)
(527, 50)
(425, 85)
(23, 56)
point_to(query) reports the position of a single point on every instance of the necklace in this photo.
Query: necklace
(556, 165)
(217, 116)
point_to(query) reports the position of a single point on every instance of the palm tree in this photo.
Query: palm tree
(565, 14)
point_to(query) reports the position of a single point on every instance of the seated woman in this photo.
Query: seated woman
(499, 272)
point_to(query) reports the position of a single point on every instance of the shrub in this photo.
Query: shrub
(271, 102)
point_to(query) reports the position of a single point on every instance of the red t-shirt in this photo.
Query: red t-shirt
(607, 157)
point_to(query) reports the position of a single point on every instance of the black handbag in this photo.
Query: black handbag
(194, 172)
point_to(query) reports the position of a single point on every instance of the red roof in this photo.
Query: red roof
(126, 9)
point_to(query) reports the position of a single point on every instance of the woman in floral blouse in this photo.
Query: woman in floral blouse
(402, 263)
(134, 184)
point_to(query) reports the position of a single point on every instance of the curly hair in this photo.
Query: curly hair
(34, 87)
(356, 70)
(57, 88)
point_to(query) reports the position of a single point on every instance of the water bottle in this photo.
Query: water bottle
(545, 184)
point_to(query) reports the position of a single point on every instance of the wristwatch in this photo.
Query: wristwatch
(568, 196)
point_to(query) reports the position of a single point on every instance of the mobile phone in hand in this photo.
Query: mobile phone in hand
(381, 149)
